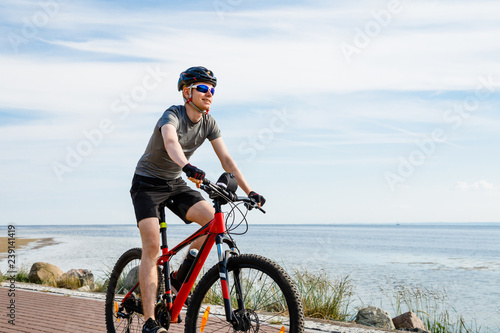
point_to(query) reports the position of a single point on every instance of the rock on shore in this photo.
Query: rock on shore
(375, 317)
(43, 272)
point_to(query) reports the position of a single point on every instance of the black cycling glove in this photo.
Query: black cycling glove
(257, 198)
(193, 172)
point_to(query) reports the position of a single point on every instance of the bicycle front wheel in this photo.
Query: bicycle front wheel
(270, 299)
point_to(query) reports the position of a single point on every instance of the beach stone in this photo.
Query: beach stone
(43, 272)
(375, 317)
(87, 288)
(75, 278)
(408, 320)
(132, 278)
(414, 330)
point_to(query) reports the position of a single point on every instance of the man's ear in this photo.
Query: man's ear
(185, 92)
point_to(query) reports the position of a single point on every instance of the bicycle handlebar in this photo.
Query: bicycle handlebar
(214, 189)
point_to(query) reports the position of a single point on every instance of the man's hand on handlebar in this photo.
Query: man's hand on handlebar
(254, 200)
(259, 199)
(194, 174)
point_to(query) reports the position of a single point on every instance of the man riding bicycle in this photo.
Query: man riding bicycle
(157, 179)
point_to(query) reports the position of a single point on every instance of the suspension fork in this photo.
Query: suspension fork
(238, 290)
(223, 277)
(223, 274)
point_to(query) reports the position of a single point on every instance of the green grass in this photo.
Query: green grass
(322, 296)
(431, 306)
(21, 275)
(100, 286)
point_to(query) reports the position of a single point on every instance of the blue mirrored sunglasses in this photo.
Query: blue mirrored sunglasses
(204, 88)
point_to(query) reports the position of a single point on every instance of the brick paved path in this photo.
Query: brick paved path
(45, 312)
(50, 313)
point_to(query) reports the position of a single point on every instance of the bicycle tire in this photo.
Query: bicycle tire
(266, 287)
(124, 276)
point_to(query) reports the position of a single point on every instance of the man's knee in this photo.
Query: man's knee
(201, 212)
(149, 229)
(150, 250)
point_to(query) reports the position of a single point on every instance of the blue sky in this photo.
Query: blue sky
(337, 112)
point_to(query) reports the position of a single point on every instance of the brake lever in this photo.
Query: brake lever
(254, 205)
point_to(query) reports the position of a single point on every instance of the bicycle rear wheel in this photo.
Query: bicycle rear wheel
(270, 298)
(126, 317)
(123, 278)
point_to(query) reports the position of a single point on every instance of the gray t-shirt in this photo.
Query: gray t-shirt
(156, 162)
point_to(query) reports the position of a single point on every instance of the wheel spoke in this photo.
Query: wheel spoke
(271, 302)
(125, 316)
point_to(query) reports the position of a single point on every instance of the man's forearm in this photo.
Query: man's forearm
(175, 152)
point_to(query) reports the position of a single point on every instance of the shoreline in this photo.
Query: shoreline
(22, 243)
(354, 252)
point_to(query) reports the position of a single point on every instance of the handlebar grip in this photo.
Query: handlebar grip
(253, 205)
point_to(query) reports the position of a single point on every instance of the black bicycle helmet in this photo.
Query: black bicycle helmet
(196, 74)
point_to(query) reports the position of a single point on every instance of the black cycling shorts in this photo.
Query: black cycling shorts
(148, 194)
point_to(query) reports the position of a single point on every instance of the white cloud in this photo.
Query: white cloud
(298, 56)
(481, 185)
(74, 87)
(352, 119)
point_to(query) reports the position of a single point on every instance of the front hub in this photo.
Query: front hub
(246, 321)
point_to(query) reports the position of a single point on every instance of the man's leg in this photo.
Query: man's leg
(202, 213)
(148, 274)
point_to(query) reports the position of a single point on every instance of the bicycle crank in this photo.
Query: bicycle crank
(162, 315)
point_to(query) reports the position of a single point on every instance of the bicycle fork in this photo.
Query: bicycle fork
(223, 274)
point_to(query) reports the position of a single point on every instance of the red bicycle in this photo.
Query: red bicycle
(242, 293)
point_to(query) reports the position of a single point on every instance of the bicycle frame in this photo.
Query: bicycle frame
(216, 234)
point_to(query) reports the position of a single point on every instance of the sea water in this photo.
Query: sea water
(459, 261)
